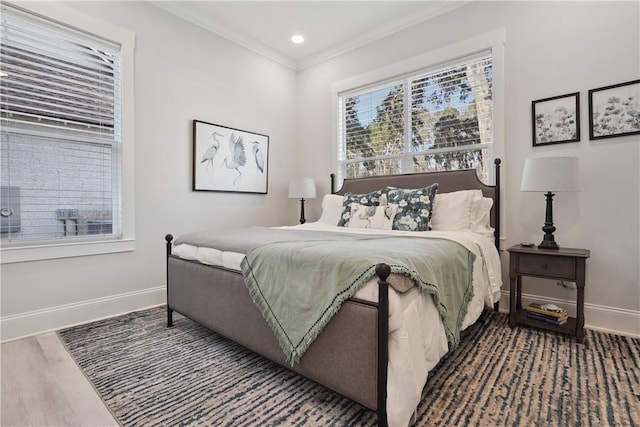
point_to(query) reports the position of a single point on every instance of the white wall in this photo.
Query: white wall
(182, 72)
(552, 48)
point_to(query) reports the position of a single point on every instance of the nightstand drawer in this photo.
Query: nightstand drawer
(544, 265)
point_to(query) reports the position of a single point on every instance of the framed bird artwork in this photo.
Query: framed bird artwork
(228, 159)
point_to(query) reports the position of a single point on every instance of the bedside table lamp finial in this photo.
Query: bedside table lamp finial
(548, 174)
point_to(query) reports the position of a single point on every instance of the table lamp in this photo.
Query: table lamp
(550, 174)
(302, 188)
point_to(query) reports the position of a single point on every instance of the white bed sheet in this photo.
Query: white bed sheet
(415, 345)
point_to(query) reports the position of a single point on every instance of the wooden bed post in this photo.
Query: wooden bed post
(168, 238)
(383, 271)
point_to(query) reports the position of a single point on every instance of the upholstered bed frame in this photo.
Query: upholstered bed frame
(218, 299)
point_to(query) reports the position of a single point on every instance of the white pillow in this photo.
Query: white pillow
(481, 217)
(331, 209)
(374, 217)
(453, 211)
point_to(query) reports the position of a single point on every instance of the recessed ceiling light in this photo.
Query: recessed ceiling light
(297, 38)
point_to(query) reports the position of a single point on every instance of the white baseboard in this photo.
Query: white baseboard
(39, 321)
(597, 317)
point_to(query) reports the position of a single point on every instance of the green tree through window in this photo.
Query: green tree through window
(450, 113)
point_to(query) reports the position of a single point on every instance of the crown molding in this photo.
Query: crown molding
(379, 33)
(183, 11)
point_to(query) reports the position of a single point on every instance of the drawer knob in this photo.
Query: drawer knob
(544, 265)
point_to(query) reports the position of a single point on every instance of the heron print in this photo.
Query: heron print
(210, 154)
(228, 159)
(258, 156)
(236, 158)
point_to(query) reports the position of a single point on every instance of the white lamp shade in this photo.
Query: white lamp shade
(302, 188)
(551, 174)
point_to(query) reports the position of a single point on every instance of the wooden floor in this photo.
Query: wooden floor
(42, 386)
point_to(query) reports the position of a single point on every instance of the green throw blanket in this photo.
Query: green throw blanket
(299, 286)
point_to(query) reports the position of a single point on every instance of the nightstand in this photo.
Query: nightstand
(556, 264)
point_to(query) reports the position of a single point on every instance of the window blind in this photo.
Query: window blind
(60, 114)
(434, 119)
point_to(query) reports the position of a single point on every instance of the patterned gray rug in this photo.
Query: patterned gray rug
(150, 375)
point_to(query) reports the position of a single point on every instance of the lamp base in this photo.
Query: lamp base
(302, 218)
(548, 241)
(548, 244)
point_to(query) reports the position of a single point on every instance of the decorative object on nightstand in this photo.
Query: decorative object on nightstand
(549, 313)
(555, 264)
(302, 188)
(550, 174)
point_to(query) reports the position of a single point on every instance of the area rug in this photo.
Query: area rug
(151, 375)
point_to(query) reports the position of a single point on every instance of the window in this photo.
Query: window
(61, 137)
(440, 118)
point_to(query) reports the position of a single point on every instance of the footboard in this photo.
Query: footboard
(350, 357)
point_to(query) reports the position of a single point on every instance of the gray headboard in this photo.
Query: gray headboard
(448, 181)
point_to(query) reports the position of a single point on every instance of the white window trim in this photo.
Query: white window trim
(494, 40)
(50, 250)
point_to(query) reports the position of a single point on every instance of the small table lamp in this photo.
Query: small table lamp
(302, 188)
(550, 174)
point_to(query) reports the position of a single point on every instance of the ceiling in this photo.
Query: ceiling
(330, 28)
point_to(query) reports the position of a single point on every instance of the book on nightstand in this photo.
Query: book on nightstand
(549, 313)
(547, 319)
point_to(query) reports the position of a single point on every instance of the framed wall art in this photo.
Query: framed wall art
(614, 110)
(228, 159)
(556, 120)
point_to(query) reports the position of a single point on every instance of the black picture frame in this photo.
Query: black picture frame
(227, 159)
(556, 120)
(614, 110)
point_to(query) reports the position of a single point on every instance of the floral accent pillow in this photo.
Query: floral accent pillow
(414, 207)
(368, 199)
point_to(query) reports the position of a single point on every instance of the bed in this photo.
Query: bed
(206, 285)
